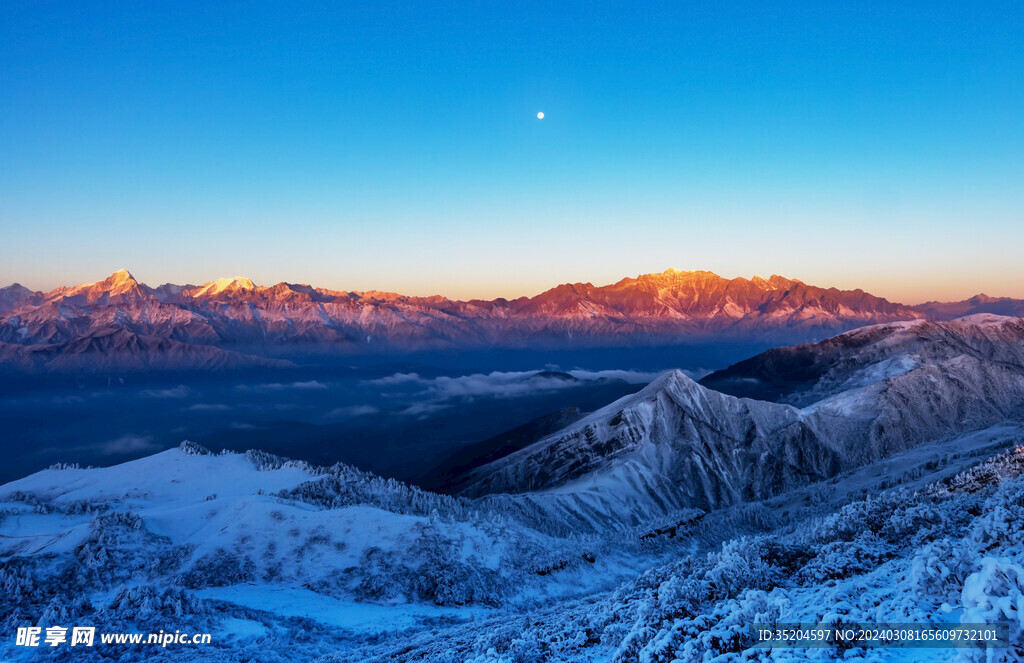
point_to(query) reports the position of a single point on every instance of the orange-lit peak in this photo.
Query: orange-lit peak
(233, 284)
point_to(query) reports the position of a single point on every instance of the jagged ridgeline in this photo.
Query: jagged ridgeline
(122, 324)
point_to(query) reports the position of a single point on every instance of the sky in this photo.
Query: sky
(396, 145)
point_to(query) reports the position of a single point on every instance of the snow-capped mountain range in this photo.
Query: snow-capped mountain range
(882, 483)
(121, 324)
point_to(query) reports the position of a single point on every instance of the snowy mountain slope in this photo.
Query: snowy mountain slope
(265, 534)
(804, 374)
(204, 503)
(673, 439)
(947, 553)
(290, 319)
(227, 511)
(448, 473)
(877, 391)
(283, 560)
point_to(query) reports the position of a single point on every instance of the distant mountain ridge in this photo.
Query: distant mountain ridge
(234, 322)
(978, 304)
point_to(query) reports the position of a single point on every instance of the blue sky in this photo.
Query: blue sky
(395, 146)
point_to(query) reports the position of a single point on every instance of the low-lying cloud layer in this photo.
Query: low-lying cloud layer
(181, 391)
(435, 393)
(497, 384)
(129, 444)
(632, 377)
(352, 411)
(279, 386)
(208, 407)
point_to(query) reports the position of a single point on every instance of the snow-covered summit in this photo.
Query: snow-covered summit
(224, 285)
(171, 478)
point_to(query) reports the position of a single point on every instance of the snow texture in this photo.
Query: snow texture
(657, 529)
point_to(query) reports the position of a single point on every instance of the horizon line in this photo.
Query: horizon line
(669, 270)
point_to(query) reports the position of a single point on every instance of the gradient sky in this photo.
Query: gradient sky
(395, 145)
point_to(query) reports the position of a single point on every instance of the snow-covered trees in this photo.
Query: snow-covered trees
(995, 593)
(518, 578)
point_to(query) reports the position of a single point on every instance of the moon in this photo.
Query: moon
(540, 116)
